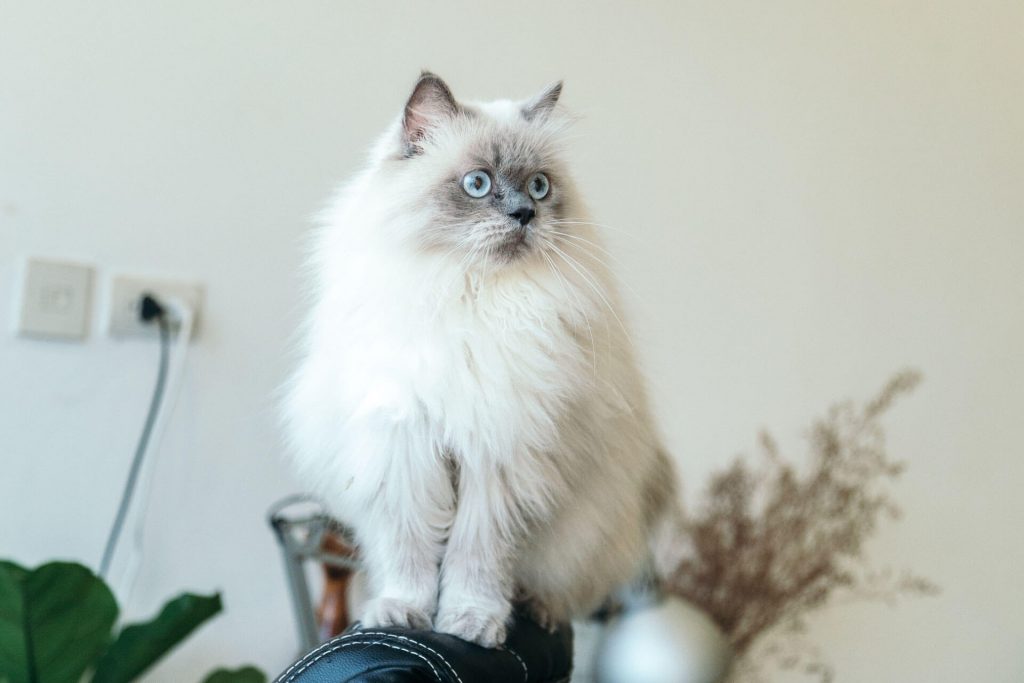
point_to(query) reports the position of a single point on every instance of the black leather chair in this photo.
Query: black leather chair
(395, 655)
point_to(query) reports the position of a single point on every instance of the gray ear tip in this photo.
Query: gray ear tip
(429, 85)
(541, 105)
(426, 75)
(430, 102)
(553, 92)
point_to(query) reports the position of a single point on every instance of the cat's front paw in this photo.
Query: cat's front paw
(541, 615)
(383, 612)
(474, 624)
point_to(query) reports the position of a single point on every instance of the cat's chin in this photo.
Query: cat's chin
(514, 248)
(512, 254)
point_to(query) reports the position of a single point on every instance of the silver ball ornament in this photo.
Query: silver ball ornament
(669, 641)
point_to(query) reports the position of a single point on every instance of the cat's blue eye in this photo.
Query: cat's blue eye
(538, 186)
(476, 184)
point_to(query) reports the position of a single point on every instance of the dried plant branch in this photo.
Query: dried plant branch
(773, 544)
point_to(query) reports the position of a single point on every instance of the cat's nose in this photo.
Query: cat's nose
(523, 214)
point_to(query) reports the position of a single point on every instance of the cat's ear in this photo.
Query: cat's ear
(430, 104)
(540, 106)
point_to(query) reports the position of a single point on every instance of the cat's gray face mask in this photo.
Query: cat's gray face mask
(496, 202)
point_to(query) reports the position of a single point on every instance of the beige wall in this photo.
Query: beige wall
(814, 195)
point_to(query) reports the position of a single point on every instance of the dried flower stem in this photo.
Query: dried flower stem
(771, 545)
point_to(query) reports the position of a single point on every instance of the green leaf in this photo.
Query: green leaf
(55, 621)
(14, 660)
(16, 571)
(139, 646)
(247, 674)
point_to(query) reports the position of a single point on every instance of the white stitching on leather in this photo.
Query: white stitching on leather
(526, 672)
(423, 645)
(309, 654)
(343, 645)
(330, 642)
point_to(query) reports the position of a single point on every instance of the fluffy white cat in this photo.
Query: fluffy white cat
(467, 399)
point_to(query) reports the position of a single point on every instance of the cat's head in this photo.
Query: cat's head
(481, 183)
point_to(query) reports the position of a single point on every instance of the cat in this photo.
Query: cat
(467, 397)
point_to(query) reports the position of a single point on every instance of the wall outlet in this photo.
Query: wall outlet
(55, 299)
(126, 294)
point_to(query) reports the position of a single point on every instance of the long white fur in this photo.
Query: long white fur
(481, 425)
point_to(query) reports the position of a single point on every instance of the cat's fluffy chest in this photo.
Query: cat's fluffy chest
(497, 367)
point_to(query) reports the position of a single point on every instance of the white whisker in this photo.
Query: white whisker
(583, 273)
(588, 254)
(581, 308)
(603, 226)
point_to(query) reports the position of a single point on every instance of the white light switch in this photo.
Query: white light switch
(55, 300)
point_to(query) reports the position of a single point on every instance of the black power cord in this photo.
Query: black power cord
(150, 310)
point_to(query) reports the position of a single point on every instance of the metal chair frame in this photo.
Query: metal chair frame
(300, 533)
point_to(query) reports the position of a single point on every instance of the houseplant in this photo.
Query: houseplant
(57, 625)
